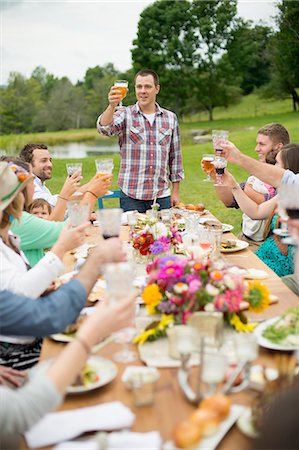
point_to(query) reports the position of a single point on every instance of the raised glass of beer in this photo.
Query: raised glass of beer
(216, 136)
(104, 167)
(122, 86)
(207, 165)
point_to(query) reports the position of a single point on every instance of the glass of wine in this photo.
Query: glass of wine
(119, 279)
(216, 136)
(288, 207)
(207, 165)
(109, 221)
(205, 239)
(73, 167)
(104, 167)
(220, 164)
(122, 86)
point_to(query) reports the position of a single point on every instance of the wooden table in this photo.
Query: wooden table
(170, 405)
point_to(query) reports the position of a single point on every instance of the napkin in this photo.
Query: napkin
(124, 440)
(60, 426)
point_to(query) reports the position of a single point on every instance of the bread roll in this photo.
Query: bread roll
(200, 207)
(218, 403)
(190, 206)
(180, 205)
(207, 420)
(186, 434)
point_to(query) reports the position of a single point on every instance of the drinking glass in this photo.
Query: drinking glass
(212, 373)
(104, 167)
(207, 165)
(119, 279)
(220, 164)
(73, 167)
(122, 86)
(205, 239)
(109, 221)
(288, 207)
(246, 350)
(216, 136)
(77, 213)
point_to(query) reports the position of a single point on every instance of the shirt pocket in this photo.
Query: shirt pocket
(165, 136)
(136, 135)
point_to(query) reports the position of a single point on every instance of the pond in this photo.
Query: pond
(73, 150)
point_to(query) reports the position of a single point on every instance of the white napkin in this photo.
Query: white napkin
(60, 426)
(124, 440)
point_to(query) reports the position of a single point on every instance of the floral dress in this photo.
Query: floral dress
(279, 257)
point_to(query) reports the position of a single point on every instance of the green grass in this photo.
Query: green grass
(242, 121)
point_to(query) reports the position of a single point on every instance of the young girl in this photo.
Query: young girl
(40, 208)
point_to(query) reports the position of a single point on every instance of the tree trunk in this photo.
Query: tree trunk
(210, 109)
(295, 98)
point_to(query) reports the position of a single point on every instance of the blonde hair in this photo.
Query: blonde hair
(15, 209)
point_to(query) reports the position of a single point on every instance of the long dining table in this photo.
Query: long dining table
(170, 406)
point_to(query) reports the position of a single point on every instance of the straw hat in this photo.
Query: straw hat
(13, 179)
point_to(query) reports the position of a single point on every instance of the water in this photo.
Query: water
(73, 150)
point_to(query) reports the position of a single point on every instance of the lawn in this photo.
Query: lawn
(242, 121)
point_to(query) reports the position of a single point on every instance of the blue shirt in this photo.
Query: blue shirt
(23, 316)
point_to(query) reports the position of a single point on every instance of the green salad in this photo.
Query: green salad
(284, 330)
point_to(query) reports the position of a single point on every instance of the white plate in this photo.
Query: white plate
(245, 424)
(225, 226)
(240, 245)
(211, 442)
(280, 232)
(263, 342)
(106, 371)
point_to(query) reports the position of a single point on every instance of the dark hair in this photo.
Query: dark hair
(271, 156)
(27, 152)
(40, 202)
(290, 157)
(145, 72)
(276, 132)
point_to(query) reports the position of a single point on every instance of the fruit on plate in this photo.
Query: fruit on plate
(206, 419)
(87, 376)
(218, 403)
(187, 434)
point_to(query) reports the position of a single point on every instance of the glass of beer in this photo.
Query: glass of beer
(216, 136)
(220, 164)
(207, 165)
(122, 86)
(104, 167)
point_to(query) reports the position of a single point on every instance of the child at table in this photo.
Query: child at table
(40, 208)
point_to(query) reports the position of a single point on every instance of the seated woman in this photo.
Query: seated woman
(278, 256)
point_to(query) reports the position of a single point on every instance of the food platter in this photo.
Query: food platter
(266, 343)
(226, 227)
(236, 246)
(105, 370)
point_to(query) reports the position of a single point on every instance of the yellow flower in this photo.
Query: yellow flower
(166, 319)
(143, 337)
(151, 332)
(257, 296)
(237, 323)
(151, 296)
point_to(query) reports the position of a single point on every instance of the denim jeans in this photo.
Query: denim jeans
(130, 204)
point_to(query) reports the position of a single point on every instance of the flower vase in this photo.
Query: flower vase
(138, 258)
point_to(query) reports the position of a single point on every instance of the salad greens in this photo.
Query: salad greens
(285, 330)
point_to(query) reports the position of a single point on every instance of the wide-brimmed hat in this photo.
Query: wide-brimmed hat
(13, 179)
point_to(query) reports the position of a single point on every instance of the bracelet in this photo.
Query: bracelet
(83, 344)
(92, 193)
(63, 198)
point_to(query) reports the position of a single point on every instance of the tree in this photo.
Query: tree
(247, 54)
(284, 51)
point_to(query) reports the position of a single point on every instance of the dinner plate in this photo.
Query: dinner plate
(106, 371)
(263, 342)
(225, 226)
(249, 274)
(245, 424)
(240, 245)
(211, 442)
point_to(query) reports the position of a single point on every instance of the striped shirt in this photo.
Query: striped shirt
(151, 156)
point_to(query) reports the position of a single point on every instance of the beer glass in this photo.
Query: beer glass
(216, 136)
(122, 86)
(207, 165)
(104, 167)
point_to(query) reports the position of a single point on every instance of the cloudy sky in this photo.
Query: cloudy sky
(68, 36)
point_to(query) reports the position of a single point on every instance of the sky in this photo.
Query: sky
(69, 36)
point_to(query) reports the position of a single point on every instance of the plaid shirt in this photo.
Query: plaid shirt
(151, 156)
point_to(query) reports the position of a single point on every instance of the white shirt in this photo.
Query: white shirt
(252, 228)
(41, 191)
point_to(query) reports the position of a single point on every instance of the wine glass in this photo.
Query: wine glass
(205, 239)
(104, 167)
(216, 136)
(119, 279)
(220, 164)
(207, 165)
(288, 207)
(73, 167)
(109, 221)
(122, 86)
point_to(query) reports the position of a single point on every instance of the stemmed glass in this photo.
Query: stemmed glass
(207, 165)
(104, 167)
(73, 167)
(216, 136)
(122, 86)
(119, 278)
(220, 164)
(110, 221)
(288, 207)
(205, 239)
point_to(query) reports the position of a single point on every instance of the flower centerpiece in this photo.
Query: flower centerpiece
(178, 287)
(152, 238)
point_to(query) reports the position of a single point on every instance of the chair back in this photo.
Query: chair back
(115, 194)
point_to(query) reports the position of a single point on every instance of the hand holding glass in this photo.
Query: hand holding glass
(73, 167)
(216, 136)
(122, 86)
(104, 167)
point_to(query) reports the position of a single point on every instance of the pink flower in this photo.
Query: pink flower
(194, 285)
(233, 299)
(220, 303)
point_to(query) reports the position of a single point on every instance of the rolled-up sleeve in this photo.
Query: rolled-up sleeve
(115, 127)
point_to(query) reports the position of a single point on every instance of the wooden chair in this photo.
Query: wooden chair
(115, 194)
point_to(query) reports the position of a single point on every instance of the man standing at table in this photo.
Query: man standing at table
(150, 148)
